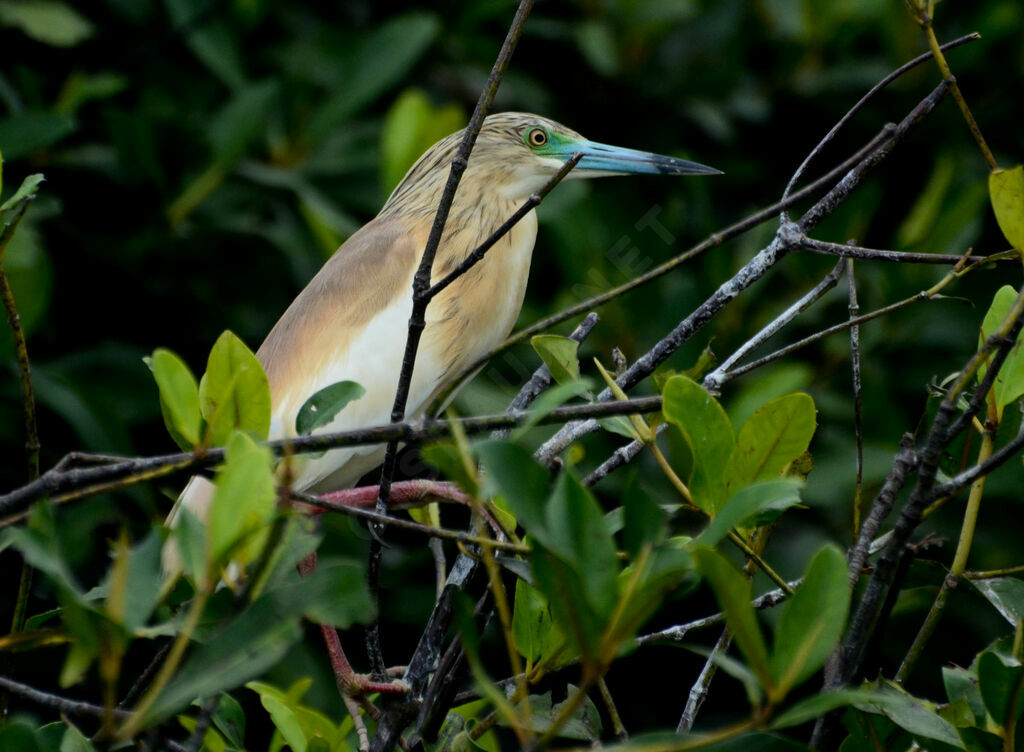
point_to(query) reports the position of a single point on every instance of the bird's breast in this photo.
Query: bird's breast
(477, 312)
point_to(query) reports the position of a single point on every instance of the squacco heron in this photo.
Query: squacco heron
(350, 321)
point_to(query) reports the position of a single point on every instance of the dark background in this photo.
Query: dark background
(203, 158)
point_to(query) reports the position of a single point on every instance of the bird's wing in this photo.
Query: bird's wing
(349, 323)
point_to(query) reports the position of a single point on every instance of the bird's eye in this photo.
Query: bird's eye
(537, 137)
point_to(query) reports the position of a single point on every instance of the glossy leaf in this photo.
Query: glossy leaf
(179, 397)
(1006, 189)
(234, 392)
(560, 355)
(320, 409)
(707, 431)
(732, 591)
(1006, 594)
(812, 620)
(775, 435)
(913, 715)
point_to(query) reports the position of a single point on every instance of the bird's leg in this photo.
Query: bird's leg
(401, 492)
(350, 684)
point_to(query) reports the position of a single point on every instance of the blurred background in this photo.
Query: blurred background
(203, 158)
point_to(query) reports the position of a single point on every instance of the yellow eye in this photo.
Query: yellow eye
(537, 137)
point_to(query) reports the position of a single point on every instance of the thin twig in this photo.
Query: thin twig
(846, 250)
(713, 381)
(376, 518)
(699, 690)
(858, 401)
(974, 36)
(417, 321)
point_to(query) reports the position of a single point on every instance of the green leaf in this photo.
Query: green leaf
(229, 718)
(560, 355)
(1006, 594)
(47, 21)
(962, 684)
(512, 473)
(1001, 682)
(1006, 189)
(234, 392)
(75, 741)
(913, 715)
(707, 431)
(775, 435)
(575, 565)
(820, 704)
(179, 397)
(242, 649)
(320, 409)
(1010, 381)
(142, 583)
(732, 590)
(18, 736)
(752, 506)
(446, 457)
(812, 620)
(338, 594)
(370, 73)
(537, 636)
(584, 724)
(564, 587)
(244, 503)
(28, 189)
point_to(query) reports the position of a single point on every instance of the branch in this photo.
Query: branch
(62, 485)
(714, 380)
(787, 238)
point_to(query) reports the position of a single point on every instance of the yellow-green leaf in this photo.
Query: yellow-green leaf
(234, 392)
(1006, 189)
(179, 397)
(243, 503)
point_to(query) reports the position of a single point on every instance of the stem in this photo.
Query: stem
(925, 20)
(959, 565)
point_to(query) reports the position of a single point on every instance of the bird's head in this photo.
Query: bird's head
(528, 149)
(516, 153)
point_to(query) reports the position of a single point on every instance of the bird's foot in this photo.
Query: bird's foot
(360, 685)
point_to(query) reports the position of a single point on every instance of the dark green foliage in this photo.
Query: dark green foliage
(204, 158)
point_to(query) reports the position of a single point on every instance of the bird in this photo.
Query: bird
(350, 321)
